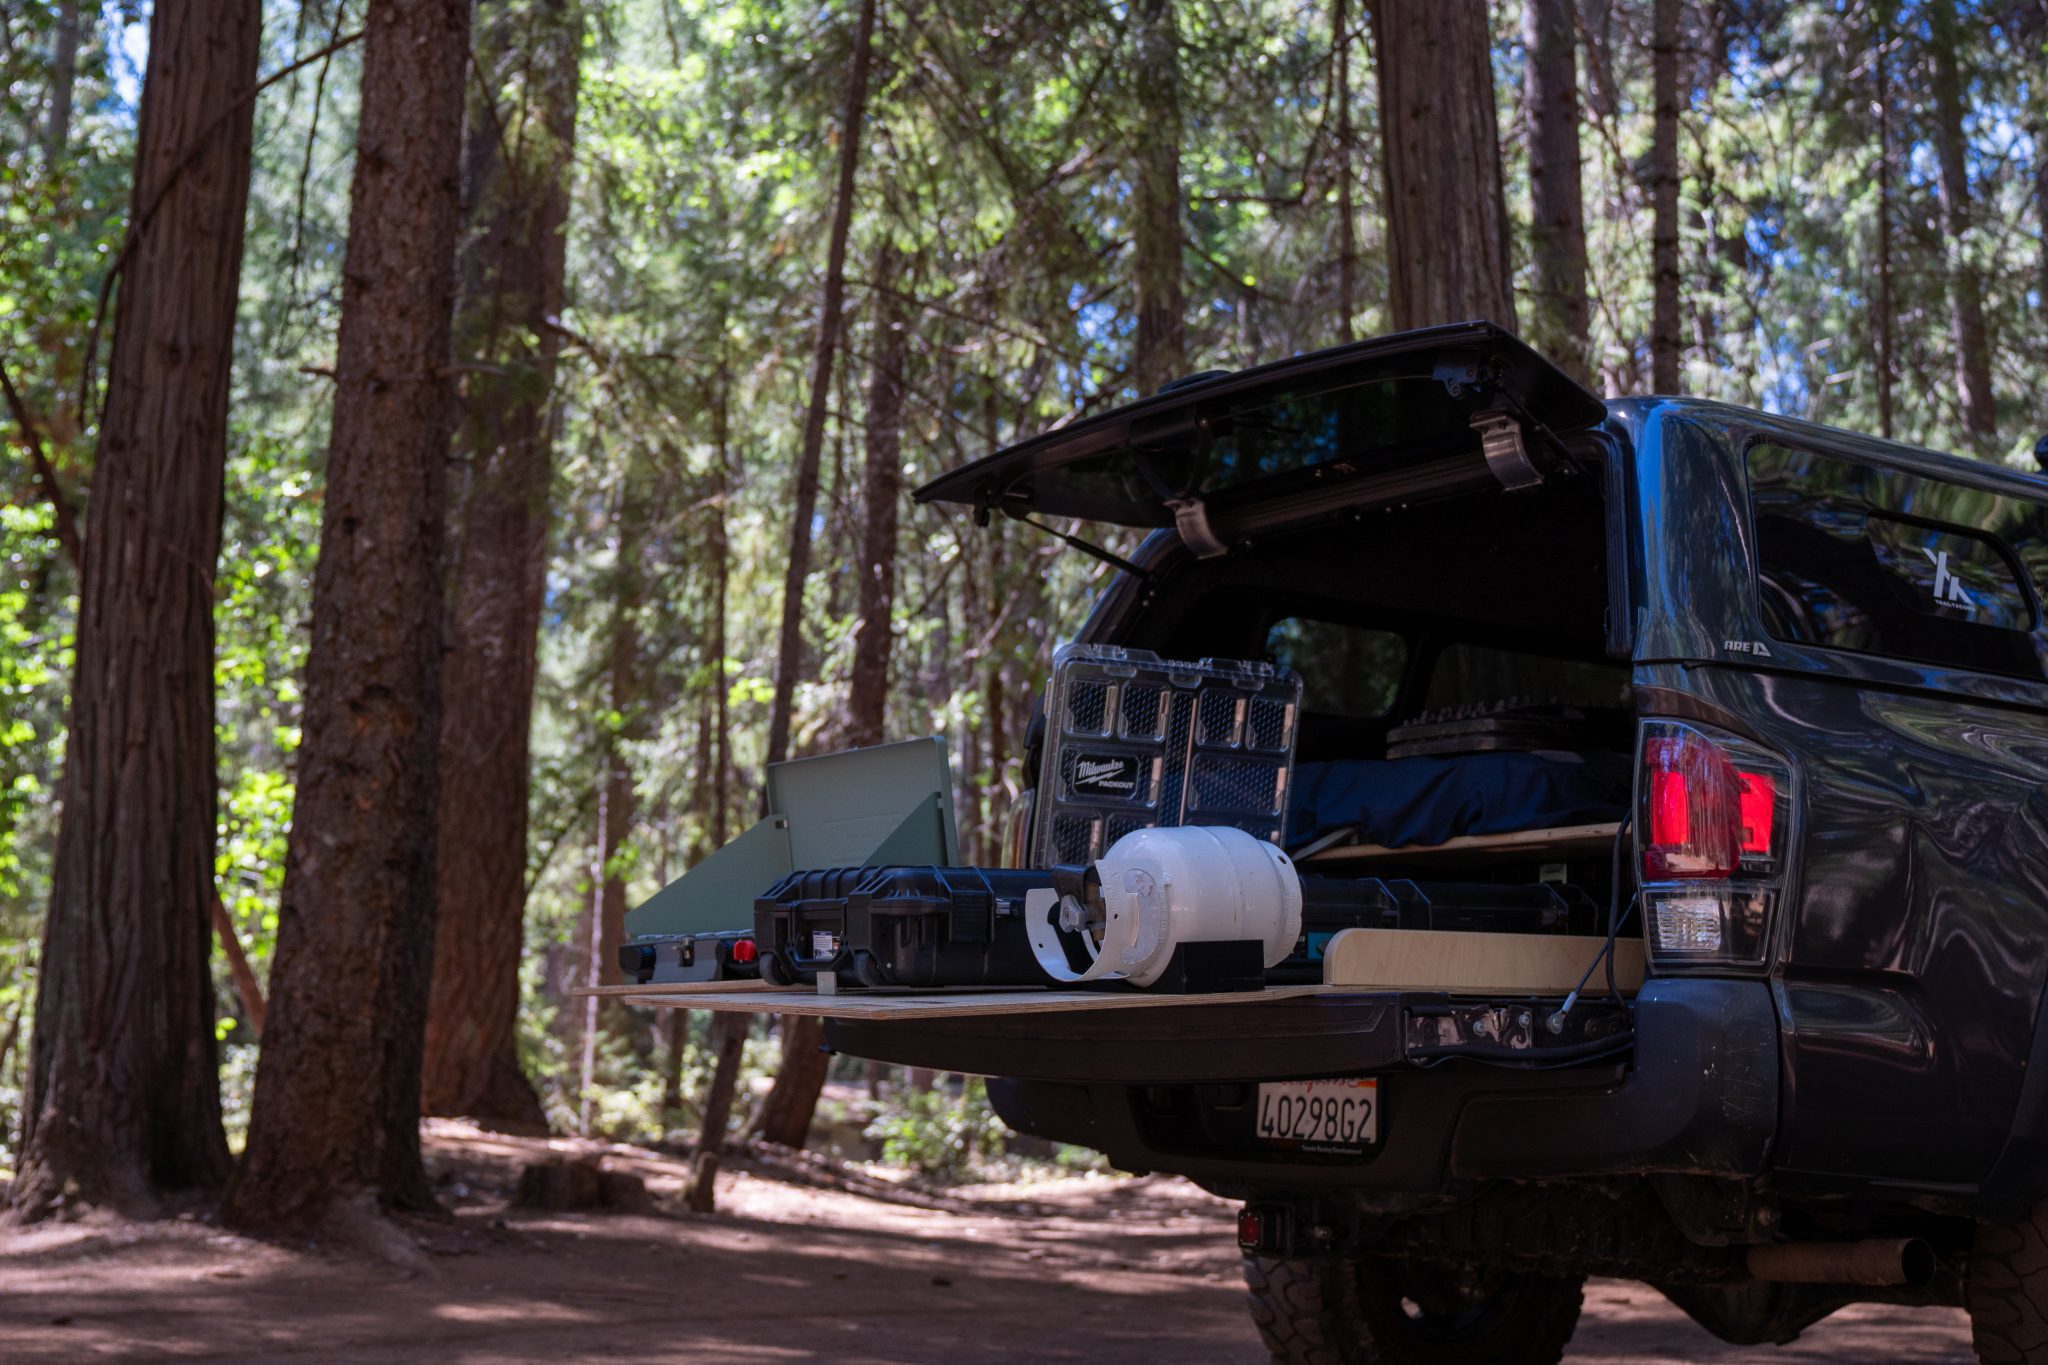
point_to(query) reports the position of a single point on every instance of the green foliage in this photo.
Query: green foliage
(938, 1134)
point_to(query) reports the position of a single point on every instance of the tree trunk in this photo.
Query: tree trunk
(123, 1097)
(605, 928)
(721, 572)
(728, 1040)
(1664, 333)
(1965, 285)
(335, 1122)
(799, 1079)
(883, 486)
(620, 810)
(589, 959)
(675, 1030)
(1887, 365)
(789, 656)
(2033, 42)
(2041, 202)
(1447, 222)
(63, 81)
(1161, 350)
(1347, 218)
(510, 289)
(790, 1104)
(1560, 322)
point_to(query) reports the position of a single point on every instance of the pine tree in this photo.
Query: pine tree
(510, 294)
(123, 1097)
(1447, 222)
(334, 1129)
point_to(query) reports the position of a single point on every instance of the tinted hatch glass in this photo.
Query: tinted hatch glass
(1479, 675)
(1345, 670)
(1281, 444)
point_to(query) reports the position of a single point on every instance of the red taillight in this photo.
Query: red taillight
(1693, 807)
(1670, 815)
(1717, 824)
(1251, 1230)
(743, 950)
(1702, 814)
(1759, 810)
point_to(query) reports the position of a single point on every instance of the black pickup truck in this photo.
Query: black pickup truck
(1818, 664)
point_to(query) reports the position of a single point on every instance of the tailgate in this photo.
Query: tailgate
(1294, 1038)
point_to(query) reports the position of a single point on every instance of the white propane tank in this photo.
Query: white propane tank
(1164, 887)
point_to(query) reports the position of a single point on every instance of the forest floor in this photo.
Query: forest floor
(804, 1261)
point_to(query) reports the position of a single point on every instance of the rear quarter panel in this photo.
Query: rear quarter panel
(1913, 951)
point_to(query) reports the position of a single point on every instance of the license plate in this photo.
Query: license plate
(1319, 1116)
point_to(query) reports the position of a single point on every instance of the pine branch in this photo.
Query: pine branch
(30, 435)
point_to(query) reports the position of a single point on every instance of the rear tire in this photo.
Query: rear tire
(1374, 1311)
(2008, 1290)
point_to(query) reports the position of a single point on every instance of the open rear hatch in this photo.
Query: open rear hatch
(1228, 456)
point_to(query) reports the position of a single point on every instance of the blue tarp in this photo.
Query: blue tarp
(1403, 801)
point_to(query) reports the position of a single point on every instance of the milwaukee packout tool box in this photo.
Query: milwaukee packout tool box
(1133, 740)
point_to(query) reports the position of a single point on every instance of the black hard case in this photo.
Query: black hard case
(900, 926)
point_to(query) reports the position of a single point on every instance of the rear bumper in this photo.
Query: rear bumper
(1699, 1096)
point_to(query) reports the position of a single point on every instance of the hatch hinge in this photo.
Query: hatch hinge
(1191, 519)
(1500, 436)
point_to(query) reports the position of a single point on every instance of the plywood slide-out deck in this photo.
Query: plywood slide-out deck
(1355, 960)
(754, 997)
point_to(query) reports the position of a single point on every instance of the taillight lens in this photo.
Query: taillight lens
(1714, 827)
(1757, 808)
(1691, 826)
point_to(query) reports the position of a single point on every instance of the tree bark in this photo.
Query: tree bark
(1161, 349)
(123, 1098)
(2033, 39)
(1447, 222)
(620, 807)
(789, 658)
(786, 1114)
(335, 1122)
(1347, 220)
(510, 291)
(606, 927)
(728, 1039)
(2041, 202)
(1887, 364)
(883, 485)
(1560, 323)
(721, 574)
(799, 1080)
(63, 81)
(1664, 323)
(1965, 283)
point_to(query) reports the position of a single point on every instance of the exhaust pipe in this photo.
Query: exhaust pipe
(1877, 1261)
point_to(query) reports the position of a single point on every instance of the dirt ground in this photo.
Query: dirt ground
(802, 1263)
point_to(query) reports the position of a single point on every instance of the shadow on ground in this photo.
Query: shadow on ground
(802, 1264)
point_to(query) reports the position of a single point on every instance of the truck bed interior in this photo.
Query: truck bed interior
(1464, 723)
